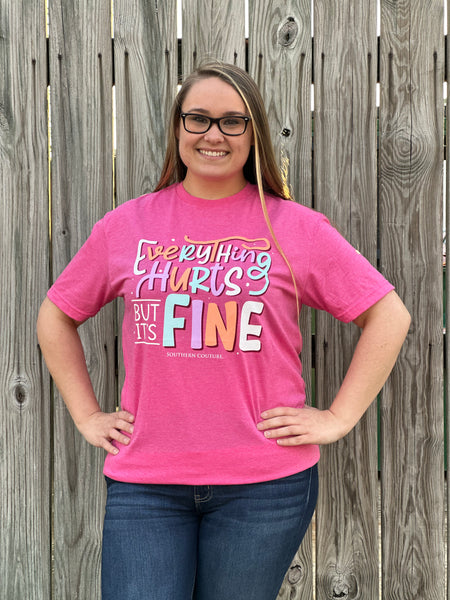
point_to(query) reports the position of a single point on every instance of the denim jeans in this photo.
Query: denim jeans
(220, 542)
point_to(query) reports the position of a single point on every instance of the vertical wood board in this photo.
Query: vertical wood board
(345, 190)
(25, 451)
(145, 59)
(81, 110)
(280, 61)
(411, 74)
(212, 29)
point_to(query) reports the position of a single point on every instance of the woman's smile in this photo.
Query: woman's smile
(213, 153)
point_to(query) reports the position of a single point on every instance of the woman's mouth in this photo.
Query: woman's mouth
(213, 153)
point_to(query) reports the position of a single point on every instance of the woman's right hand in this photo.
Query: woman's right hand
(101, 429)
(63, 352)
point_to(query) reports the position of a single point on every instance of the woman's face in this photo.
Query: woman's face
(214, 161)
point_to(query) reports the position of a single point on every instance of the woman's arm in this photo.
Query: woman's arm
(384, 328)
(64, 355)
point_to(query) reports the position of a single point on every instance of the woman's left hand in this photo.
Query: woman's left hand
(299, 426)
(384, 327)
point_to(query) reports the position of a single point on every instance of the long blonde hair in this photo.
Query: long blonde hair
(261, 167)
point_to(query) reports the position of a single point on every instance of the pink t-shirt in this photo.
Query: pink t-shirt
(210, 334)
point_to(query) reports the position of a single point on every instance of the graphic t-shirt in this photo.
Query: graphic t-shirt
(210, 335)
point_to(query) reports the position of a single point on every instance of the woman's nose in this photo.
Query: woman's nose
(214, 133)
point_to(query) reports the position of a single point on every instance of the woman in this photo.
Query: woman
(212, 462)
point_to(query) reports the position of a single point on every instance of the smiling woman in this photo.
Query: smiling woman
(218, 465)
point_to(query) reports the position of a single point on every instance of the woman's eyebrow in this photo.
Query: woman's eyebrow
(225, 114)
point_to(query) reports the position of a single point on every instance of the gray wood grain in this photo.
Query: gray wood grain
(345, 175)
(411, 73)
(280, 61)
(25, 426)
(81, 126)
(212, 29)
(145, 58)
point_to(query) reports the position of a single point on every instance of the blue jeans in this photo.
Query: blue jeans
(220, 542)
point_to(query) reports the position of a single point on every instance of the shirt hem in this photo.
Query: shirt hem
(219, 470)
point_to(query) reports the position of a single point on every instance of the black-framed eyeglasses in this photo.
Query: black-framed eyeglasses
(231, 125)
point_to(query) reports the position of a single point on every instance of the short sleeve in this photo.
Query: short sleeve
(340, 280)
(84, 286)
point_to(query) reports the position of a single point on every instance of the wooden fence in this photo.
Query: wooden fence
(380, 528)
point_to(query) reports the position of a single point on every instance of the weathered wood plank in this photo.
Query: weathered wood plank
(345, 190)
(280, 61)
(280, 57)
(212, 29)
(411, 74)
(81, 83)
(25, 449)
(145, 59)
